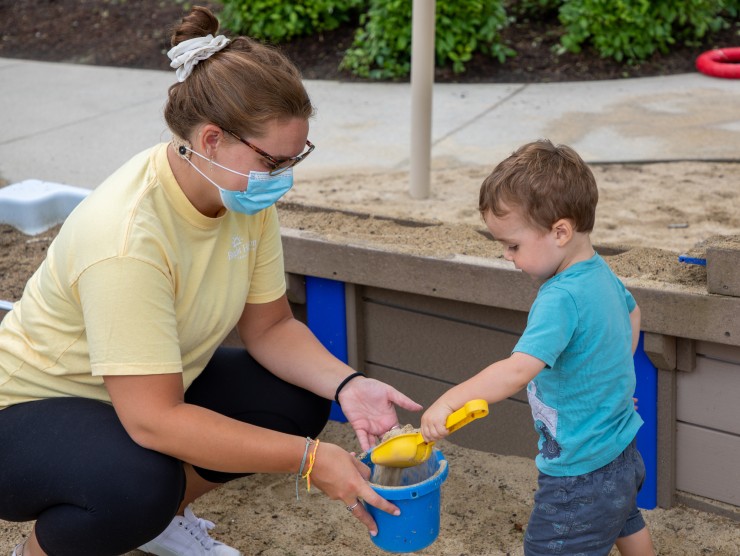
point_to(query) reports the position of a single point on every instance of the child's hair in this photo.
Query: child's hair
(240, 88)
(545, 182)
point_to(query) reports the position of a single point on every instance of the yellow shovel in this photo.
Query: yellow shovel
(409, 449)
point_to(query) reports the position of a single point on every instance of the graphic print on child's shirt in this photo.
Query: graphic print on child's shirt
(546, 421)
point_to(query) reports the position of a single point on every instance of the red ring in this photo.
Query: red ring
(721, 62)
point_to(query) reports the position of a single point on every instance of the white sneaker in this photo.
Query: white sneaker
(188, 536)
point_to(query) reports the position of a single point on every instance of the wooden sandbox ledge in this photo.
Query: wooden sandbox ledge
(667, 309)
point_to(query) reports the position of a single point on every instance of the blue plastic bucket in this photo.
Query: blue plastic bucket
(418, 498)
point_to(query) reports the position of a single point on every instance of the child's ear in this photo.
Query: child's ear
(563, 230)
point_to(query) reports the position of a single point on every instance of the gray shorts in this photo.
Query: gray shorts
(586, 514)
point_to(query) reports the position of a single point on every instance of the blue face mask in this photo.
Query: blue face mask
(263, 190)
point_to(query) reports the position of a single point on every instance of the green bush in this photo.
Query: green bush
(280, 20)
(633, 30)
(382, 45)
(625, 30)
(533, 9)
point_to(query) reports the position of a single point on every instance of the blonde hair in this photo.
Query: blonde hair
(545, 183)
(240, 88)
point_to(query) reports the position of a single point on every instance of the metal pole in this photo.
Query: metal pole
(422, 83)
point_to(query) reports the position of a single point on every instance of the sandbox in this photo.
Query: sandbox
(424, 322)
(423, 318)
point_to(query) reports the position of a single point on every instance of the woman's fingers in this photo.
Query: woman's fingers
(374, 499)
(341, 480)
(358, 510)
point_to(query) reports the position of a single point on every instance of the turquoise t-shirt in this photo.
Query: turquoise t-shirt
(581, 402)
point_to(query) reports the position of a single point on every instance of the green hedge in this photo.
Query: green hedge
(625, 30)
(382, 46)
(277, 21)
(632, 30)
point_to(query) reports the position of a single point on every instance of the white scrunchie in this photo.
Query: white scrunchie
(185, 55)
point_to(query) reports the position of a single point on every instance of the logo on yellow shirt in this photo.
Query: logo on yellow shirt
(240, 249)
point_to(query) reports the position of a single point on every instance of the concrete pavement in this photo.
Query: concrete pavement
(75, 124)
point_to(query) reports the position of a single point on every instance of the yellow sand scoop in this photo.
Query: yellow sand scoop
(409, 449)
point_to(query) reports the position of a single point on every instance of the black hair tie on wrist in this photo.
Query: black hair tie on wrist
(344, 383)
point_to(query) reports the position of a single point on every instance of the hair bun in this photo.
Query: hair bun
(200, 22)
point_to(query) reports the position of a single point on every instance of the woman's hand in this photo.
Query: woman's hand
(341, 476)
(369, 406)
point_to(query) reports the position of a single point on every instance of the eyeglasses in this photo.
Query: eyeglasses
(276, 165)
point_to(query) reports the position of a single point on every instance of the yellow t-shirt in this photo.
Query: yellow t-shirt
(137, 282)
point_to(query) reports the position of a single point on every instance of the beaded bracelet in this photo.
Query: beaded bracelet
(344, 383)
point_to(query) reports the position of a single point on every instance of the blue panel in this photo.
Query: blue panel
(647, 438)
(327, 319)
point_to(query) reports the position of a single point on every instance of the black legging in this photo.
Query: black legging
(69, 464)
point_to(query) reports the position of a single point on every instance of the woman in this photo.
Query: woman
(118, 408)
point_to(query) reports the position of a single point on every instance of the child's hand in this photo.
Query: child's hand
(434, 420)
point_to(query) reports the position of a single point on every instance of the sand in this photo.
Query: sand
(486, 501)
(671, 205)
(650, 213)
(647, 215)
